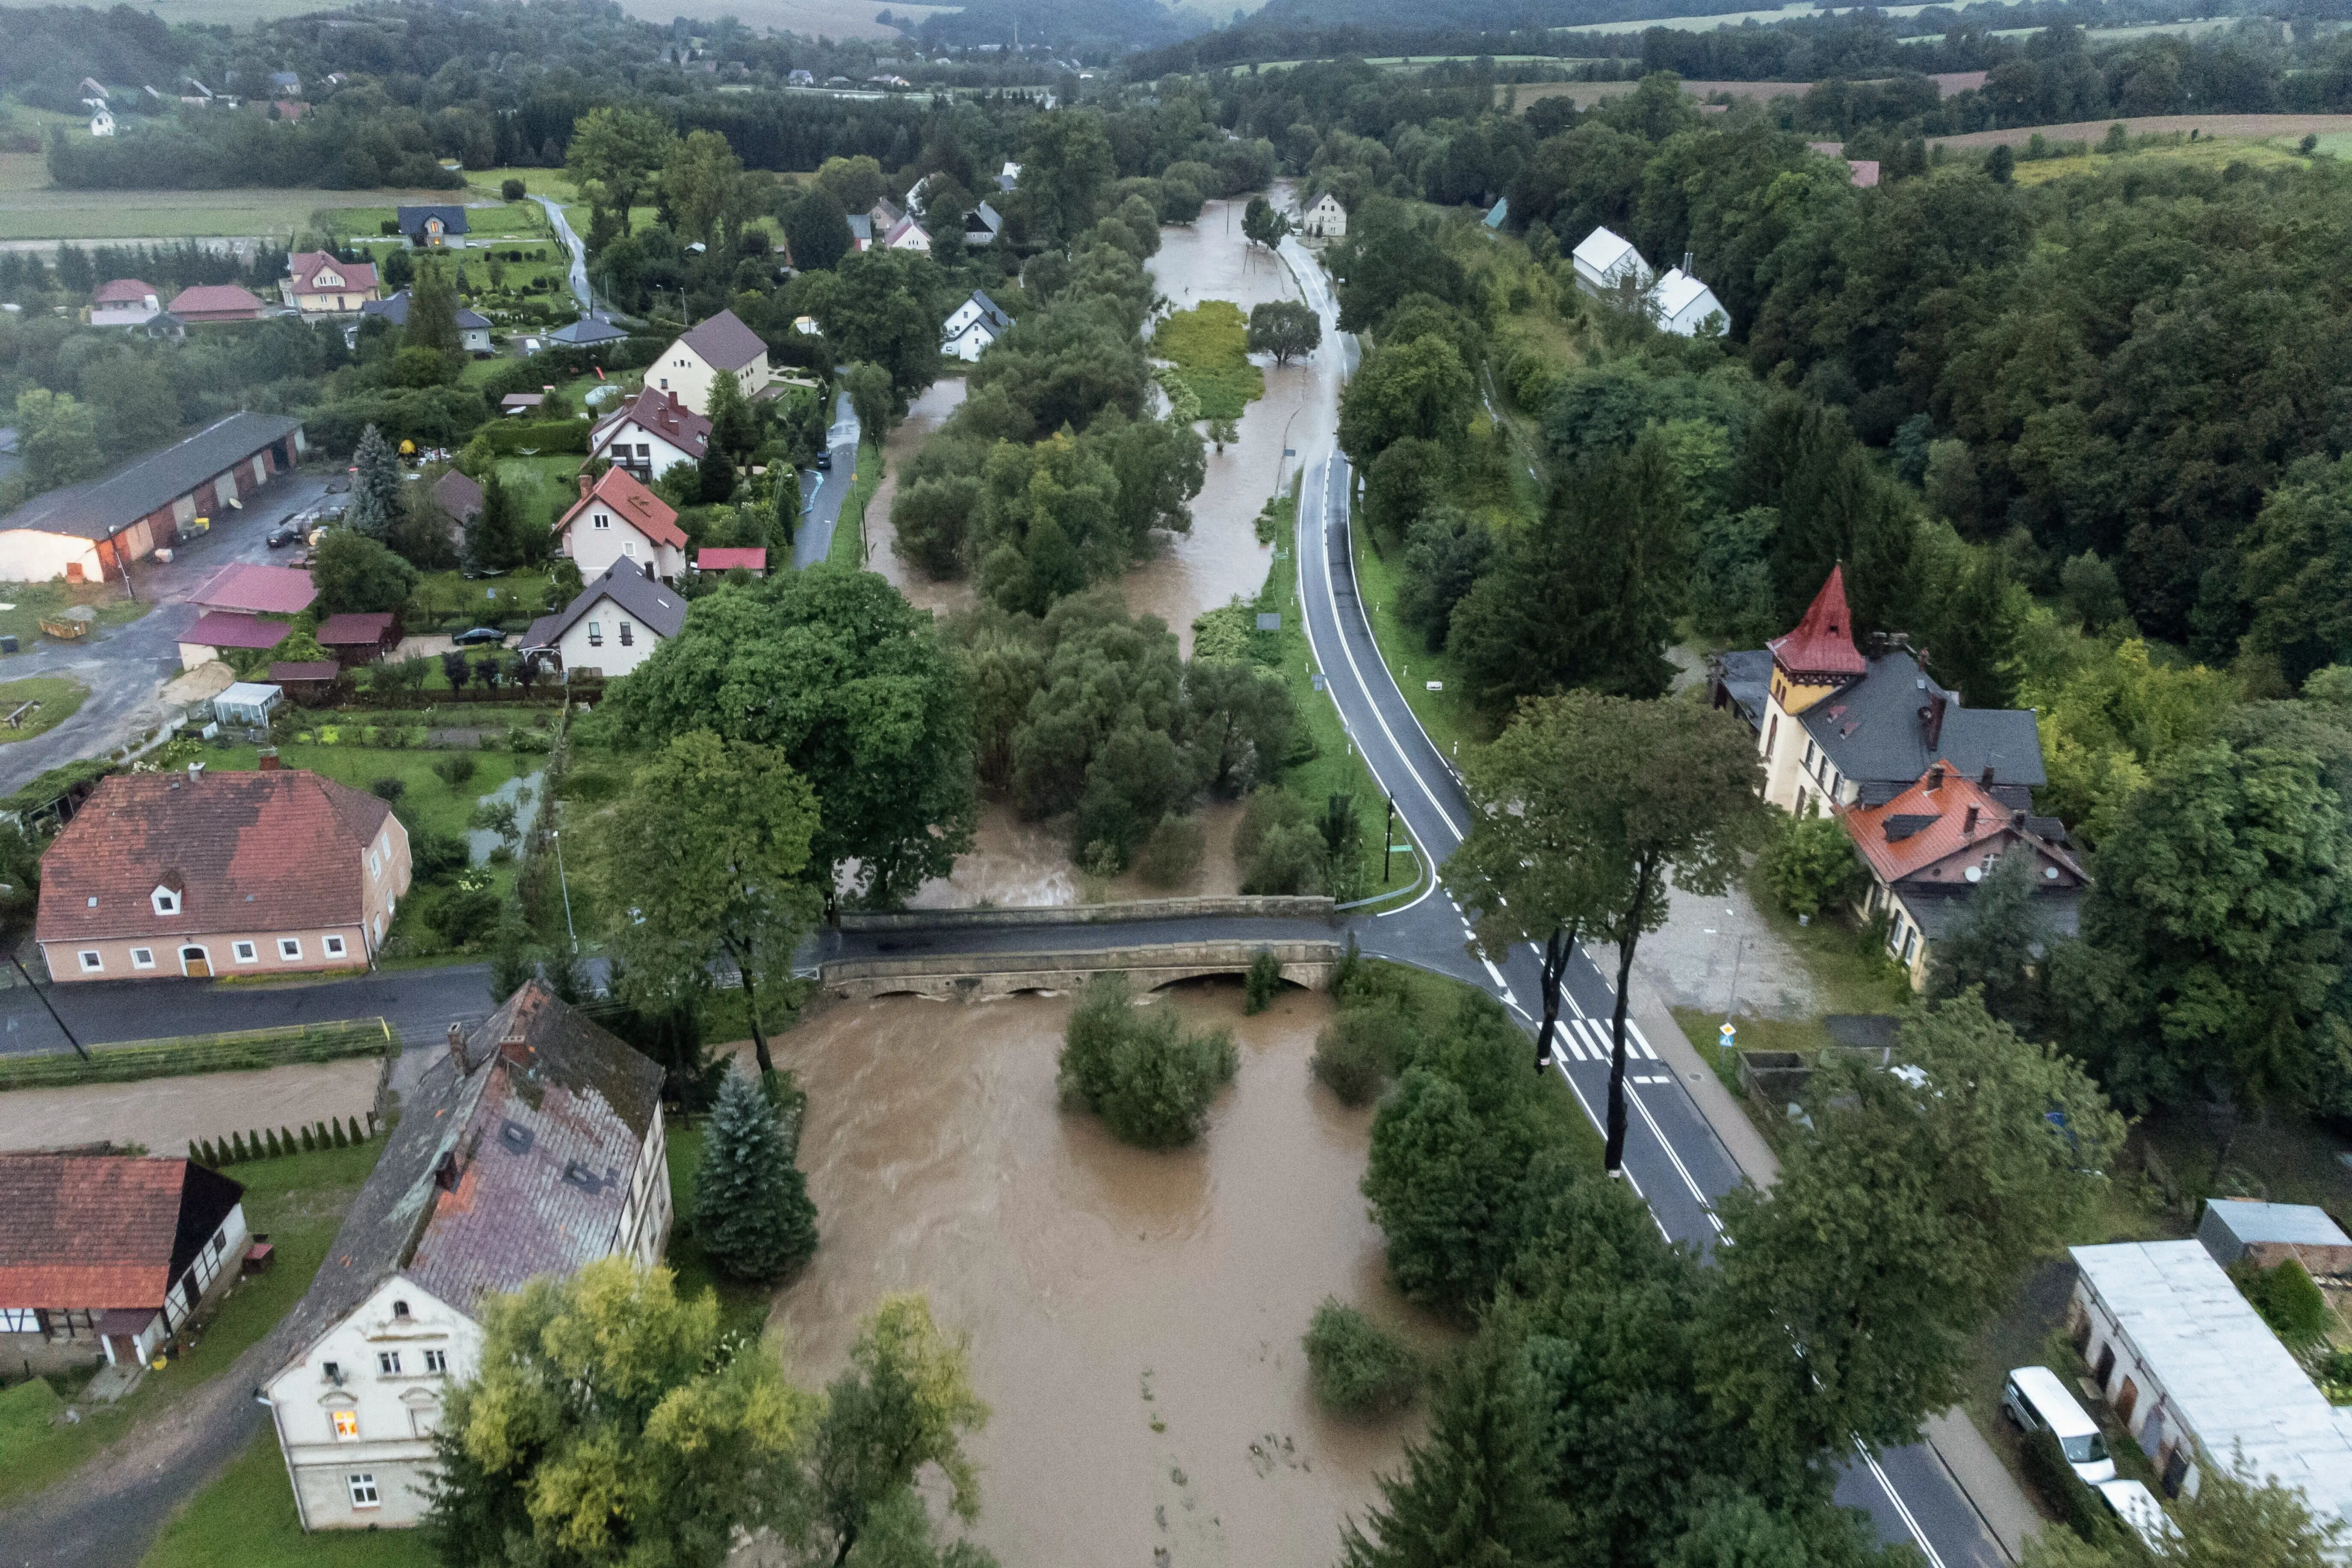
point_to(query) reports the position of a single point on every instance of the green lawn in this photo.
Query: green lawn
(1209, 345)
(1452, 722)
(742, 1308)
(849, 545)
(425, 800)
(442, 599)
(298, 1202)
(26, 602)
(58, 696)
(245, 1518)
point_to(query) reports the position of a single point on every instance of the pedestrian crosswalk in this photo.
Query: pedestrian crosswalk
(1587, 1040)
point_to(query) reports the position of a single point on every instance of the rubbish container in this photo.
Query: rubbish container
(8, 643)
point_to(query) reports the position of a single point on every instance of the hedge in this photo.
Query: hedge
(509, 437)
(240, 1051)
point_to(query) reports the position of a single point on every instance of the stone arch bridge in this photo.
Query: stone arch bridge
(980, 976)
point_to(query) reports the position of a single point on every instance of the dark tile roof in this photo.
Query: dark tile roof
(1746, 676)
(1873, 732)
(991, 312)
(541, 1123)
(659, 412)
(254, 851)
(104, 1230)
(353, 629)
(587, 330)
(626, 583)
(395, 310)
(459, 498)
(412, 220)
(106, 506)
(724, 342)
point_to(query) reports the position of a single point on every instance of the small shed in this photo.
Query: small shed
(2267, 1235)
(360, 638)
(248, 703)
(309, 680)
(521, 402)
(730, 559)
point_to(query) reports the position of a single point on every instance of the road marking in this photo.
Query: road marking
(1631, 1180)
(1896, 1497)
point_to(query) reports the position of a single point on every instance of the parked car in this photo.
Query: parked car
(479, 636)
(2137, 1508)
(2038, 1402)
(824, 458)
(284, 534)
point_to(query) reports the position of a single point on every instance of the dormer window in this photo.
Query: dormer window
(400, 1311)
(165, 900)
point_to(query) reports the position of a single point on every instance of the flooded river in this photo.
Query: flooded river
(1135, 1316)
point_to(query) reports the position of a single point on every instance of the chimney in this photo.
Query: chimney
(1689, 262)
(195, 772)
(1932, 716)
(1987, 779)
(586, 484)
(269, 762)
(457, 1046)
(1970, 824)
(1935, 778)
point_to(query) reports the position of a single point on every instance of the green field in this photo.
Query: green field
(58, 696)
(1209, 345)
(1448, 716)
(22, 606)
(31, 209)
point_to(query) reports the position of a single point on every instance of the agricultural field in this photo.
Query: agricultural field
(828, 18)
(2284, 129)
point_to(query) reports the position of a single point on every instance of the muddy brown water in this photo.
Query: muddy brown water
(1135, 1316)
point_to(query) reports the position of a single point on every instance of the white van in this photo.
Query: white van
(2136, 1507)
(2038, 1402)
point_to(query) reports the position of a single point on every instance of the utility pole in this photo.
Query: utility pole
(557, 839)
(1388, 844)
(68, 1033)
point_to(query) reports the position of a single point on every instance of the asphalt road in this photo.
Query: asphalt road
(419, 1004)
(823, 491)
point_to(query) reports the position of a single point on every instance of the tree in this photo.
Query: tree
(872, 398)
(860, 694)
(734, 424)
(882, 306)
(497, 539)
(702, 187)
(608, 1420)
(2298, 570)
(906, 1402)
(1417, 388)
(752, 1216)
(816, 229)
(613, 155)
(57, 437)
(1406, 480)
(353, 572)
(1137, 1068)
(1262, 224)
(1845, 1304)
(1285, 329)
(855, 182)
(897, 1534)
(1239, 724)
(375, 502)
(432, 310)
(1067, 167)
(137, 407)
(1996, 944)
(2213, 934)
(1446, 551)
(1811, 866)
(728, 873)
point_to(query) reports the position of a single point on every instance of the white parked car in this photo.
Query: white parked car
(2038, 1402)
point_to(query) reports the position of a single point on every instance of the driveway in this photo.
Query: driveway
(125, 666)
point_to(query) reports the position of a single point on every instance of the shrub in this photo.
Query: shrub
(1138, 1070)
(511, 190)
(388, 790)
(455, 768)
(1265, 978)
(2062, 1491)
(2287, 1299)
(1277, 844)
(1173, 851)
(1357, 1367)
(335, 1127)
(436, 857)
(1810, 866)
(1359, 1051)
(465, 915)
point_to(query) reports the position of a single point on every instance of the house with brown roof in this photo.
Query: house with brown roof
(360, 637)
(318, 285)
(722, 344)
(246, 588)
(216, 302)
(649, 434)
(532, 1148)
(617, 518)
(109, 1255)
(216, 634)
(124, 302)
(1929, 847)
(207, 873)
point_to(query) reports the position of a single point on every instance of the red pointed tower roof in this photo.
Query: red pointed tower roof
(1822, 643)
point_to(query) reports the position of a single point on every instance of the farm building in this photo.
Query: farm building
(2236, 1230)
(90, 530)
(124, 302)
(216, 302)
(360, 637)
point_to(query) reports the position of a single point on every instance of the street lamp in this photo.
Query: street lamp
(565, 883)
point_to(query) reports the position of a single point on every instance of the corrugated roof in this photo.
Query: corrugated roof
(305, 669)
(353, 627)
(106, 506)
(1606, 252)
(260, 590)
(230, 628)
(2223, 1374)
(102, 1230)
(253, 851)
(2302, 1224)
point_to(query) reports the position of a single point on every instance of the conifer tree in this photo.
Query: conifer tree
(751, 1209)
(375, 491)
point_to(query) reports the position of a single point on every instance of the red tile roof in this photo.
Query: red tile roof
(1931, 821)
(214, 300)
(659, 412)
(263, 590)
(226, 628)
(123, 292)
(633, 504)
(253, 851)
(727, 560)
(303, 266)
(101, 1230)
(1822, 643)
(353, 629)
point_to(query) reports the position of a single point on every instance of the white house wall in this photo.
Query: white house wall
(611, 656)
(27, 555)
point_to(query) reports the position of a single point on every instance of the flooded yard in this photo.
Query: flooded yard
(1135, 1316)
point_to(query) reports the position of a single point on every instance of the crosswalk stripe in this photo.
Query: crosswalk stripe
(1597, 1036)
(1575, 1046)
(1633, 1030)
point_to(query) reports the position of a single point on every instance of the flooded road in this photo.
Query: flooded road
(1108, 1291)
(927, 413)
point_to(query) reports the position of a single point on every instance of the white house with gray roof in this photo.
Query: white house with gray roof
(723, 344)
(971, 327)
(532, 1148)
(614, 625)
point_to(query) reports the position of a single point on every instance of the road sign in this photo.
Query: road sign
(1728, 1034)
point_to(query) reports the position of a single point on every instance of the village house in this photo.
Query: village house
(473, 329)
(531, 1148)
(1605, 261)
(215, 302)
(1326, 219)
(982, 225)
(723, 343)
(124, 302)
(649, 434)
(614, 625)
(617, 518)
(1837, 728)
(1931, 846)
(360, 637)
(250, 588)
(431, 227)
(110, 1255)
(88, 532)
(202, 874)
(907, 233)
(971, 327)
(861, 232)
(319, 284)
(457, 498)
(588, 332)
(1685, 305)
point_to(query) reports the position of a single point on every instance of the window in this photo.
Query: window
(1771, 736)
(91, 961)
(400, 1311)
(362, 1487)
(166, 901)
(245, 953)
(347, 1425)
(1910, 945)
(19, 1320)
(334, 947)
(387, 1364)
(437, 1361)
(290, 948)
(1810, 749)
(595, 634)
(628, 635)
(334, 1371)
(220, 1241)
(600, 521)
(143, 958)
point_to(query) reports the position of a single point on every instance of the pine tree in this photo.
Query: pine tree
(342, 1139)
(375, 492)
(285, 1140)
(237, 1144)
(309, 1141)
(495, 541)
(195, 1155)
(751, 1209)
(271, 1142)
(432, 310)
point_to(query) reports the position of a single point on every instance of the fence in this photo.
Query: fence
(242, 1050)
